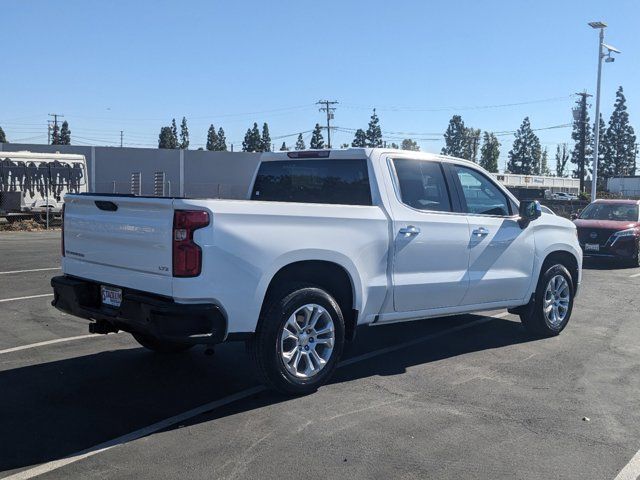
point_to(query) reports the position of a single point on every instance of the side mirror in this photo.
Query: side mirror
(574, 216)
(529, 211)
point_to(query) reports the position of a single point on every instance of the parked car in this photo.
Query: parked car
(325, 242)
(564, 196)
(611, 229)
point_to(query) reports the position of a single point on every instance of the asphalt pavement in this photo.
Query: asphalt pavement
(469, 396)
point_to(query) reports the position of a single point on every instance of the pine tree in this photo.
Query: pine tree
(317, 141)
(174, 133)
(184, 134)
(212, 138)
(471, 144)
(265, 140)
(562, 158)
(300, 143)
(222, 141)
(576, 136)
(524, 156)
(620, 143)
(409, 144)
(374, 133)
(360, 139)
(65, 134)
(490, 152)
(166, 138)
(252, 140)
(3, 137)
(284, 147)
(455, 137)
(603, 145)
(55, 134)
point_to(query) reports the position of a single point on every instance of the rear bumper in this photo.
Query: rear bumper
(140, 312)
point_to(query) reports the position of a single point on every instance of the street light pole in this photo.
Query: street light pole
(596, 139)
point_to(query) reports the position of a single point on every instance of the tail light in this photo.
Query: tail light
(62, 231)
(187, 256)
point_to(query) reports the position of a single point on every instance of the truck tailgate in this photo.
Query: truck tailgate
(120, 240)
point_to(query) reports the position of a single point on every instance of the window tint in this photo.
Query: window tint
(422, 185)
(313, 181)
(481, 195)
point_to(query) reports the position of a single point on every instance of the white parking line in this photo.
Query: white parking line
(48, 342)
(28, 271)
(207, 407)
(631, 471)
(634, 275)
(26, 298)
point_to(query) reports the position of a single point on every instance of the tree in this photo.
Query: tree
(3, 137)
(360, 139)
(581, 135)
(471, 144)
(490, 152)
(317, 141)
(252, 140)
(374, 133)
(395, 145)
(620, 141)
(454, 137)
(544, 163)
(562, 157)
(602, 146)
(222, 141)
(265, 140)
(184, 134)
(166, 138)
(174, 133)
(524, 156)
(284, 147)
(212, 138)
(300, 143)
(409, 144)
(65, 134)
(55, 134)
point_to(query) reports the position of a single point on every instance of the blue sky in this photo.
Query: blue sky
(133, 65)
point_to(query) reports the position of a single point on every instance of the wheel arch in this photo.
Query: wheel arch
(566, 258)
(328, 275)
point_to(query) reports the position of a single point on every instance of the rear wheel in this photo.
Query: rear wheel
(160, 346)
(549, 313)
(299, 340)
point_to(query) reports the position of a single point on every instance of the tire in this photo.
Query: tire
(554, 278)
(302, 322)
(635, 260)
(160, 346)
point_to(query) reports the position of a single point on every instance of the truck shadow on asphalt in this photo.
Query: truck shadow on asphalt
(53, 409)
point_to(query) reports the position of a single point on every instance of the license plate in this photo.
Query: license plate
(111, 296)
(591, 247)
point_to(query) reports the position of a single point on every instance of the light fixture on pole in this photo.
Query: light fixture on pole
(596, 137)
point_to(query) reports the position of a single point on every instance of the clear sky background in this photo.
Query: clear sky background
(134, 65)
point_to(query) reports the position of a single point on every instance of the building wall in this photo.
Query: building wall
(193, 173)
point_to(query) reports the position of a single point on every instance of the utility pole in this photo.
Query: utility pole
(56, 131)
(329, 110)
(582, 118)
(121, 135)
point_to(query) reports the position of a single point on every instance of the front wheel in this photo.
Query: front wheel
(299, 340)
(549, 313)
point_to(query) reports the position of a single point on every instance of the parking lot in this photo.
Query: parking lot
(468, 396)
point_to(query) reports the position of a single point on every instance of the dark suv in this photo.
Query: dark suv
(611, 229)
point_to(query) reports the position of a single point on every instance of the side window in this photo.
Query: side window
(422, 185)
(481, 195)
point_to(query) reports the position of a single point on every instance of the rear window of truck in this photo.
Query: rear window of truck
(344, 182)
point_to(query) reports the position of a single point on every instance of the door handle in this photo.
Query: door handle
(409, 230)
(480, 232)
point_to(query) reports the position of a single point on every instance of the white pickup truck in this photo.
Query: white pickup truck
(326, 241)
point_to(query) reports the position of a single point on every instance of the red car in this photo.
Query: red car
(610, 229)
